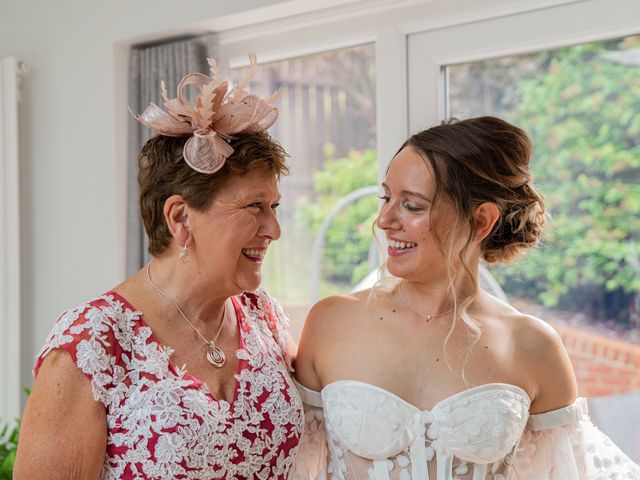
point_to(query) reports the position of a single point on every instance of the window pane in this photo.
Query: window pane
(327, 125)
(581, 107)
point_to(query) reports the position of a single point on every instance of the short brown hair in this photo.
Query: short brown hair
(162, 172)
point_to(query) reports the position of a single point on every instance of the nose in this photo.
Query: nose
(270, 227)
(387, 219)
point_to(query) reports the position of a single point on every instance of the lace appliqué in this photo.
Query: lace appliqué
(161, 422)
(483, 433)
(575, 451)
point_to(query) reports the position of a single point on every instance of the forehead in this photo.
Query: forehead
(410, 171)
(257, 182)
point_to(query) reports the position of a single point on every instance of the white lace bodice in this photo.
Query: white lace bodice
(480, 425)
(481, 433)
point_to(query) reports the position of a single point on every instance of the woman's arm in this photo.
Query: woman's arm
(311, 341)
(546, 361)
(312, 458)
(63, 433)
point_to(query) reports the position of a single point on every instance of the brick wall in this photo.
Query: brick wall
(603, 366)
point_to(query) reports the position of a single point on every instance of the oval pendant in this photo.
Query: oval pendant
(215, 355)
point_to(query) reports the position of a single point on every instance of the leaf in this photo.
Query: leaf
(6, 469)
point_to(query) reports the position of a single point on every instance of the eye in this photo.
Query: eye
(412, 207)
(275, 206)
(256, 205)
(384, 198)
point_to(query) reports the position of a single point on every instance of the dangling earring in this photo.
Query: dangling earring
(184, 254)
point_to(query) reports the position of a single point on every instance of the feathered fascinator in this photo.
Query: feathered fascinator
(217, 115)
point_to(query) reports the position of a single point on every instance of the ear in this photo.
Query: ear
(486, 215)
(176, 214)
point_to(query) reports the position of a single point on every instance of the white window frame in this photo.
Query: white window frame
(403, 105)
(10, 390)
(518, 33)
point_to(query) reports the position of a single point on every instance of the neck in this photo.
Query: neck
(433, 295)
(201, 303)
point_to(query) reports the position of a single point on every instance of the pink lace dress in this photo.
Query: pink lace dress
(164, 423)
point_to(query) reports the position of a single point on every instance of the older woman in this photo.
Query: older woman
(426, 376)
(181, 371)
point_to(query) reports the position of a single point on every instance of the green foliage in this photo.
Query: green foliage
(349, 237)
(581, 107)
(8, 447)
(583, 113)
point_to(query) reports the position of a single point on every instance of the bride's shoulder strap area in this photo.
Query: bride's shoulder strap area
(564, 444)
(570, 414)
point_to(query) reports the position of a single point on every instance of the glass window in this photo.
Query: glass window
(327, 125)
(581, 107)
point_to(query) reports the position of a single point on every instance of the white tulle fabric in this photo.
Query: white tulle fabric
(354, 430)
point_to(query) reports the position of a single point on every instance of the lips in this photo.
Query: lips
(399, 247)
(255, 254)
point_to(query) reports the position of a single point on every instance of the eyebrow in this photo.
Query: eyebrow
(410, 193)
(264, 196)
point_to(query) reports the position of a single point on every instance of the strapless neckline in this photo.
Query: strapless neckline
(482, 432)
(479, 424)
(466, 393)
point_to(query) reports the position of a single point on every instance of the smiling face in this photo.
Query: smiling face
(409, 219)
(230, 238)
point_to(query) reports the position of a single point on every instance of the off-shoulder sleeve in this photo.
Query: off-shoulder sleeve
(565, 445)
(311, 460)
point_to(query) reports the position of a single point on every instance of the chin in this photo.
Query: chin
(250, 284)
(397, 271)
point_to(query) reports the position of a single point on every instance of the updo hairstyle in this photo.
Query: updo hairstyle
(486, 159)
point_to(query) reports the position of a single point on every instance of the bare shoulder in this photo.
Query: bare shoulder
(61, 406)
(535, 353)
(325, 326)
(529, 333)
(541, 353)
(338, 312)
(533, 335)
(333, 308)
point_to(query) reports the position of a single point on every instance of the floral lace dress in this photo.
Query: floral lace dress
(355, 430)
(162, 422)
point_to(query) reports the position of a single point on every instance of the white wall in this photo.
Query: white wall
(73, 117)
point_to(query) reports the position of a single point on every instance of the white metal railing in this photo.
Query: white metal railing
(318, 242)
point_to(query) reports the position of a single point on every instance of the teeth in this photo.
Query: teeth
(401, 245)
(253, 252)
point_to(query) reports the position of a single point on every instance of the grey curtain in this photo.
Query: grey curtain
(149, 65)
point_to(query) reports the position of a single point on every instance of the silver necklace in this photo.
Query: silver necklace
(426, 316)
(215, 355)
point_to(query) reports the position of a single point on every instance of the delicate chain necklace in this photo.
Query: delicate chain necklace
(426, 316)
(215, 355)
